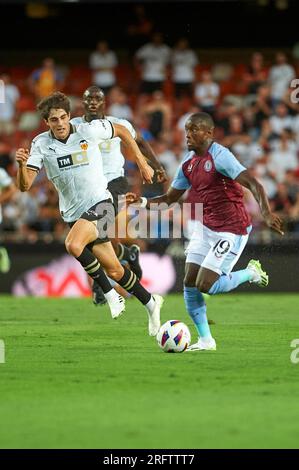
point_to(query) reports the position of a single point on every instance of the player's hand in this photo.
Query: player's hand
(275, 223)
(147, 173)
(161, 176)
(22, 156)
(132, 198)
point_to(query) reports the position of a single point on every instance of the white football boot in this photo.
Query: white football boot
(154, 316)
(117, 306)
(203, 345)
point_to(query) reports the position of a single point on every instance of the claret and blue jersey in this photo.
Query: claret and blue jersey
(211, 180)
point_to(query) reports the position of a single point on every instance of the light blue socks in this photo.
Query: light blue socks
(230, 282)
(196, 308)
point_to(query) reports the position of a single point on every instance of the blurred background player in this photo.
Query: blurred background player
(113, 152)
(7, 190)
(219, 240)
(46, 80)
(103, 62)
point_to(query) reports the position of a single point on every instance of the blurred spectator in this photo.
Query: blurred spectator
(154, 57)
(142, 26)
(183, 61)
(263, 173)
(236, 130)
(103, 62)
(253, 209)
(46, 80)
(281, 119)
(158, 113)
(207, 93)
(280, 77)
(8, 108)
(166, 157)
(5, 157)
(283, 156)
(292, 182)
(281, 203)
(256, 73)
(294, 214)
(296, 128)
(119, 105)
(262, 107)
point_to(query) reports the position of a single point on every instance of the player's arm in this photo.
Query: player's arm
(172, 196)
(272, 220)
(149, 154)
(147, 151)
(178, 186)
(25, 176)
(7, 192)
(146, 171)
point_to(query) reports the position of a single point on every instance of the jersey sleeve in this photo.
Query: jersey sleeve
(180, 181)
(128, 125)
(5, 179)
(227, 164)
(97, 130)
(36, 159)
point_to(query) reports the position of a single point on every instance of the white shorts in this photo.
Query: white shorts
(217, 251)
(190, 227)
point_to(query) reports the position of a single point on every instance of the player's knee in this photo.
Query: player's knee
(189, 281)
(73, 248)
(203, 286)
(115, 272)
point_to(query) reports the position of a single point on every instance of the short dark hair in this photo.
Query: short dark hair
(94, 89)
(57, 100)
(204, 118)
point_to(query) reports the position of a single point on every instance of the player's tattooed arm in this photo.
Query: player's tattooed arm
(25, 176)
(272, 220)
(172, 196)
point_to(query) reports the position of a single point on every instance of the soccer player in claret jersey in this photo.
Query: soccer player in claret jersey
(73, 162)
(113, 152)
(215, 176)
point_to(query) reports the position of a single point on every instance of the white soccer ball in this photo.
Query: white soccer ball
(174, 336)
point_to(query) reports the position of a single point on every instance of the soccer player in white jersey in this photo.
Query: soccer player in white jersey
(73, 162)
(216, 177)
(113, 152)
(7, 190)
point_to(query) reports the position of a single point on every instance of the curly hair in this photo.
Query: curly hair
(57, 100)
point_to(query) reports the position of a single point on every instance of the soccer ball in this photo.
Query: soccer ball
(174, 336)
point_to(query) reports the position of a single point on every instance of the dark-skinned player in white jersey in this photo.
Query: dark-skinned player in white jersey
(113, 152)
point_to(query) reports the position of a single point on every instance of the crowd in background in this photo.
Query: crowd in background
(254, 106)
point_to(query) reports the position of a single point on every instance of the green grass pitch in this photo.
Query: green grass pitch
(74, 378)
